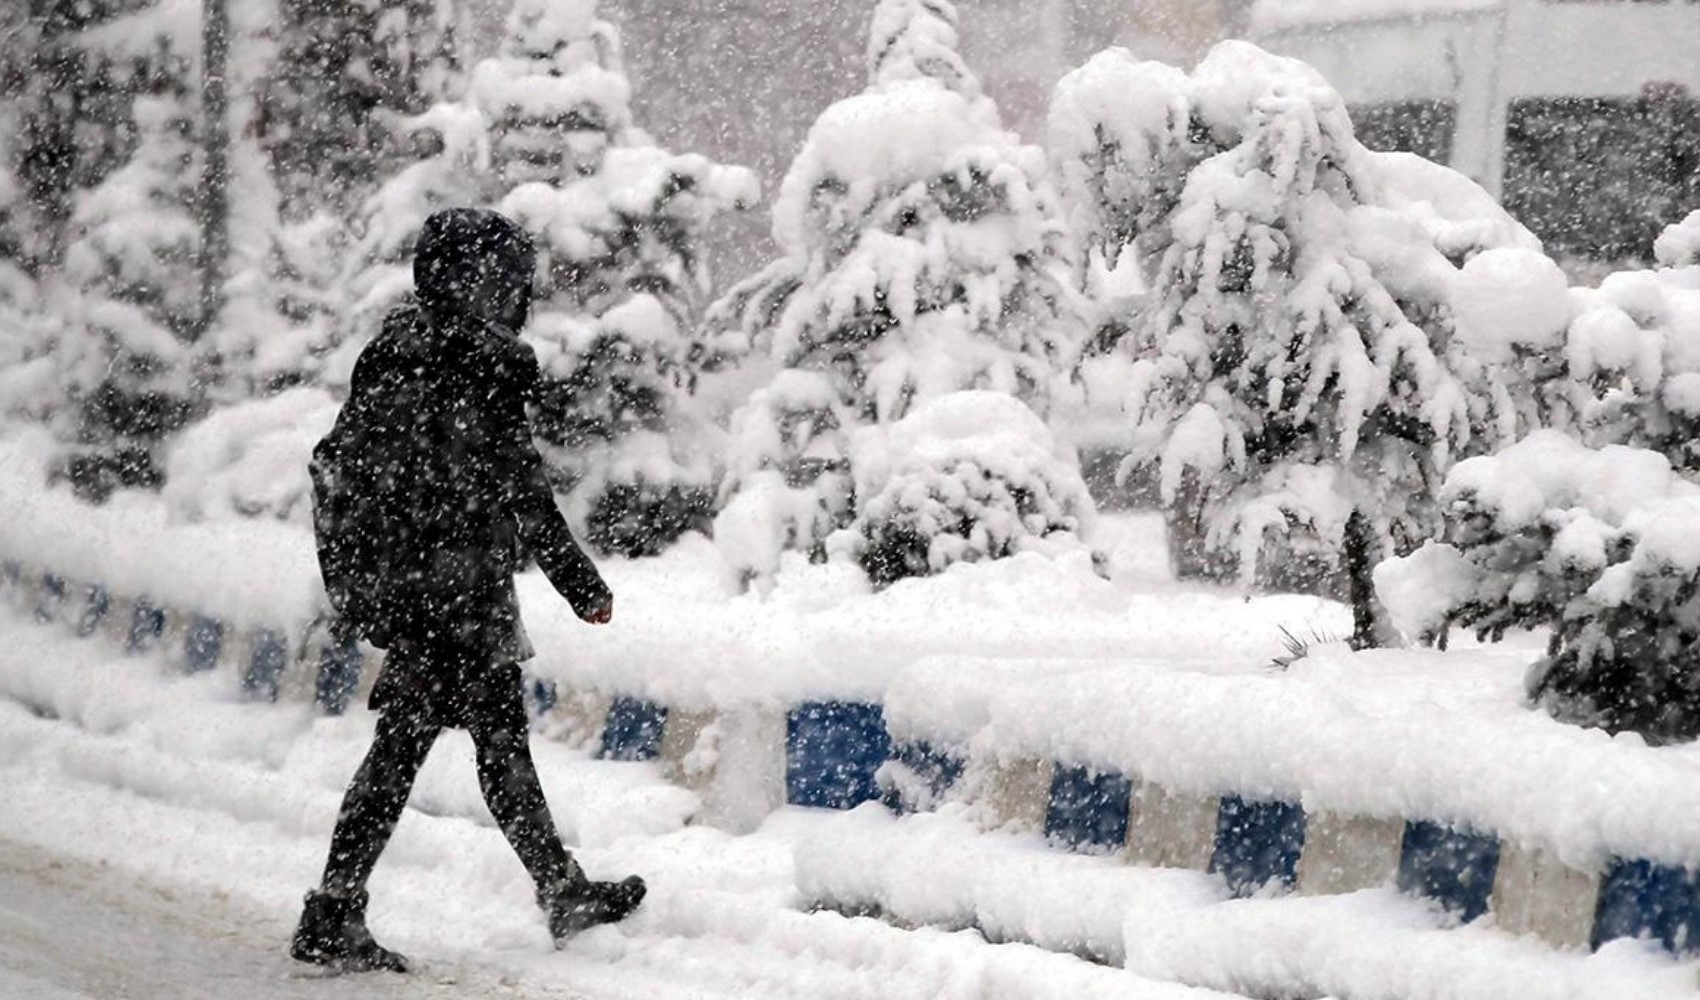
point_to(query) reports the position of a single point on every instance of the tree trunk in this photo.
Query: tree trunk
(213, 203)
(1369, 630)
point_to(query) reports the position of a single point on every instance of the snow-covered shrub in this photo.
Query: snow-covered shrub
(968, 476)
(249, 459)
(1306, 368)
(788, 485)
(922, 253)
(1633, 353)
(1602, 547)
(125, 364)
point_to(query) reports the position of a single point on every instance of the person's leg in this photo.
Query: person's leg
(333, 922)
(508, 776)
(375, 800)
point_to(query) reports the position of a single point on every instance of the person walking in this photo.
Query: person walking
(428, 493)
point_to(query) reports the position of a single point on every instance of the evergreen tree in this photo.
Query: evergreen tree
(73, 68)
(345, 72)
(621, 282)
(125, 364)
(1302, 378)
(922, 254)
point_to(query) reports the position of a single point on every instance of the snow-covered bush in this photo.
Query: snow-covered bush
(788, 482)
(1633, 353)
(249, 459)
(968, 476)
(1602, 547)
(922, 254)
(1309, 363)
(125, 364)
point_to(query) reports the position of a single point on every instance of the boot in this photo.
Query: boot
(579, 905)
(333, 934)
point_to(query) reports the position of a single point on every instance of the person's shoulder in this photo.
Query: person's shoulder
(386, 350)
(510, 361)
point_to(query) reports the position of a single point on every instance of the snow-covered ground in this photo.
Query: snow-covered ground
(178, 825)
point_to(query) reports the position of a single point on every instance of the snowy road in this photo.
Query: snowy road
(70, 930)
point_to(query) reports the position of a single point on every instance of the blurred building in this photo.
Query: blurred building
(1580, 114)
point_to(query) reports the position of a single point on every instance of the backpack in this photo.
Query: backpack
(350, 534)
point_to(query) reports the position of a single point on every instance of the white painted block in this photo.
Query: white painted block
(1345, 853)
(577, 718)
(734, 760)
(1169, 829)
(1018, 792)
(1536, 893)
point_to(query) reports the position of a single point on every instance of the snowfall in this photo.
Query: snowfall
(159, 830)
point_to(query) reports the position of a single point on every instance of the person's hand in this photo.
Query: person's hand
(602, 615)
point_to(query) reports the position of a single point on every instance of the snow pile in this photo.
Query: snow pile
(1600, 547)
(249, 459)
(1633, 353)
(1679, 244)
(968, 476)
(922, 254)
(245, 573)
(1320, 341)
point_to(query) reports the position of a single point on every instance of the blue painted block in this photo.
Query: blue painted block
(1258, 843)
(52, 597)
(339, 675)
(1454, 868)
(935, 769)
(633, 730)
(833, 750)
(147, 625)
(201, 644)
(1643, 899)
(1088, 809)
(95, 606)
(266, 661)
(540, 696)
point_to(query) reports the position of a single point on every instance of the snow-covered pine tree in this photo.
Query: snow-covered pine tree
(73, 69)
(621, 282)
(922, 254)
(125, 364)
(346, 71)
(1303, 377)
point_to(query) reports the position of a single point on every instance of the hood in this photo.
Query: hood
(469, 261)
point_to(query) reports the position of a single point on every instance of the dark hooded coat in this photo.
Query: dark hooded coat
(435, 443)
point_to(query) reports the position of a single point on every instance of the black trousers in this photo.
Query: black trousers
(506, 773)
